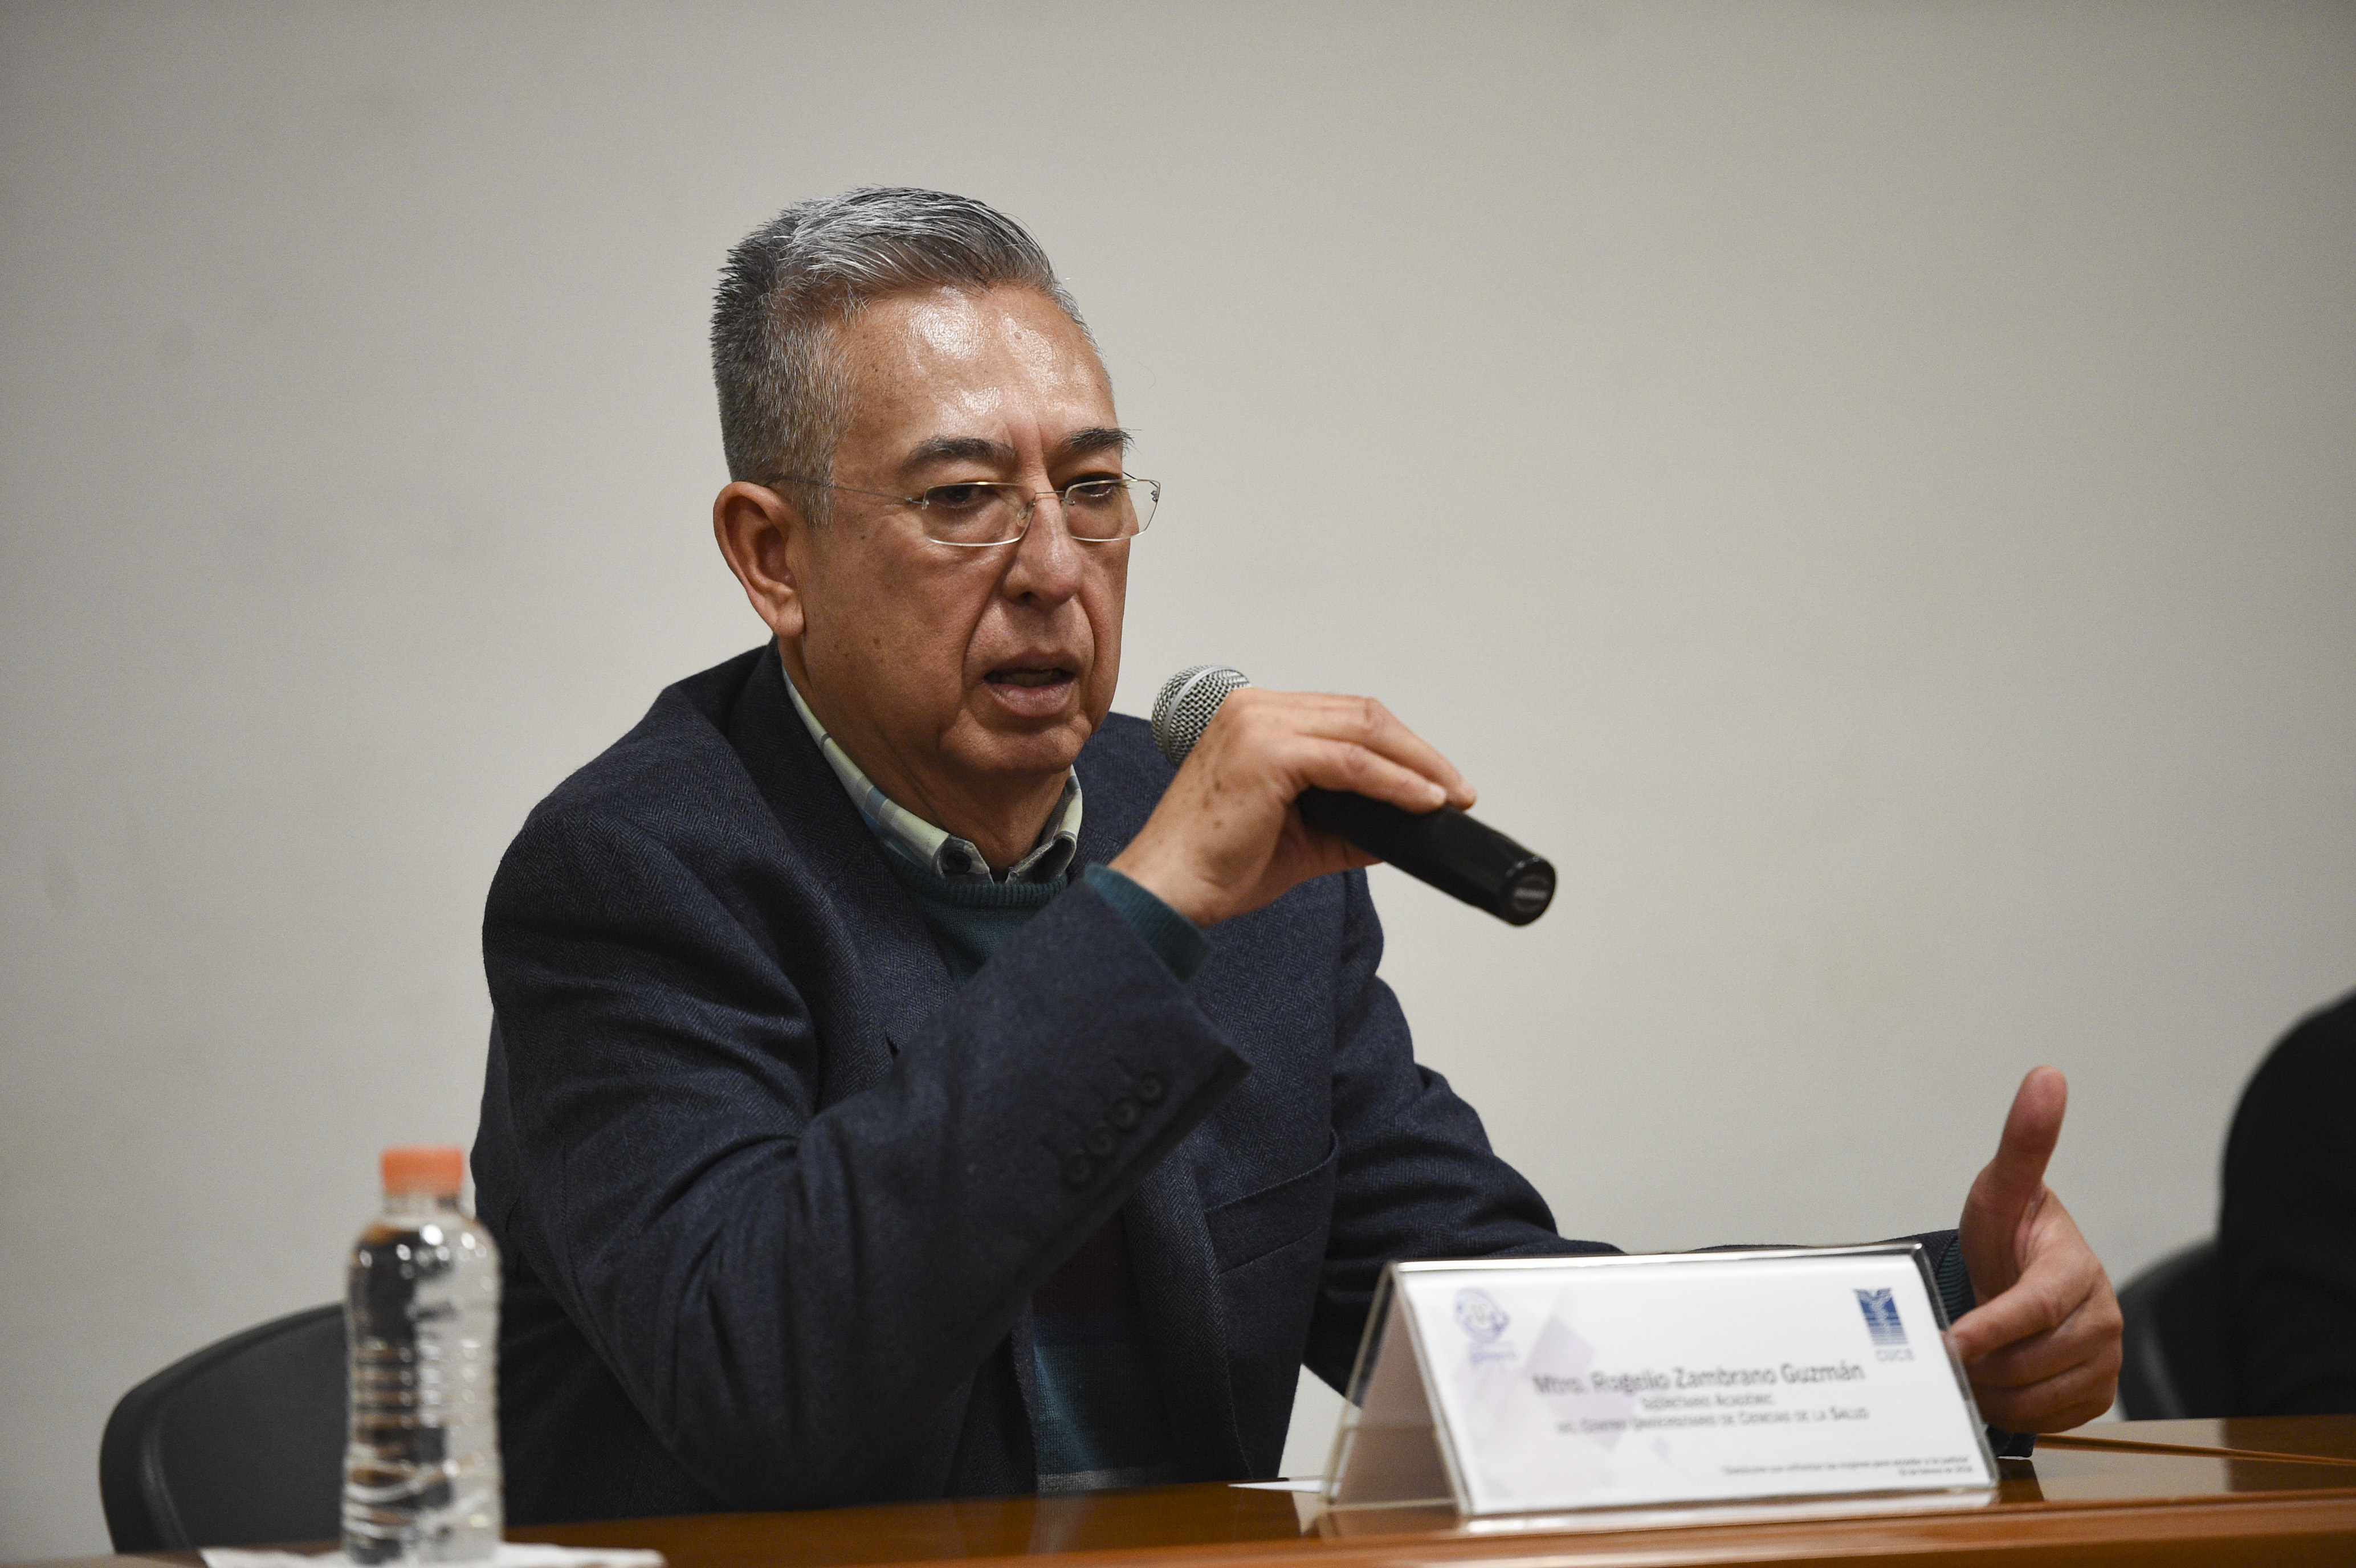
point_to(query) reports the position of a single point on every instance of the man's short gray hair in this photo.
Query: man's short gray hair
(791, 283)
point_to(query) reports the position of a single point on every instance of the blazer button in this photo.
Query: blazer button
(1077, 1169)
(1123, 1112)
(1101, 1142)
(1150, 1088)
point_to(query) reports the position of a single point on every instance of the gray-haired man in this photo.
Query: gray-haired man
(902, 1084)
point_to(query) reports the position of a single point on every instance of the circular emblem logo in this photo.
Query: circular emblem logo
(1478, 1313)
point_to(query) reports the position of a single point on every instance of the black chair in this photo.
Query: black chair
(242, 1443)
(2176, 1357)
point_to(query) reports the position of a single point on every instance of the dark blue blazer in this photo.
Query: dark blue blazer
(773, 1195)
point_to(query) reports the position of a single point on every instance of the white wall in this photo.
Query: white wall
(1867, 489)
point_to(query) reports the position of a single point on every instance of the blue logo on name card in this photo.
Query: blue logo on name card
(1478, 1313)
(1881, 1317)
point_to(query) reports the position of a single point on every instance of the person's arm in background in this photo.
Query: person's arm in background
(2287, 1227)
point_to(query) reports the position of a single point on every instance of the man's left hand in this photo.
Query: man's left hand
(2042, 1348)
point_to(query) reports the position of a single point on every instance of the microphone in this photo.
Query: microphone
(1446, 849)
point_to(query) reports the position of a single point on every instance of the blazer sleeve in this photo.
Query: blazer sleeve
(1415, 1177)
(785, 1290)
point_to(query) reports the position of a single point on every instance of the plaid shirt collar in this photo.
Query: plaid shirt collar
(942, 853)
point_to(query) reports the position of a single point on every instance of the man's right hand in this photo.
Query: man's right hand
(1225, 838)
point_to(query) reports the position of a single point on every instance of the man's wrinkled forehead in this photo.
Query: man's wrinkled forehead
(1020, 329)
(939, 374)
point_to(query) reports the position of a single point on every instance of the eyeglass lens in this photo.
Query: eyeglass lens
(1098, 510)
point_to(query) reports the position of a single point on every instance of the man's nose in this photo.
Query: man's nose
(1047, 561)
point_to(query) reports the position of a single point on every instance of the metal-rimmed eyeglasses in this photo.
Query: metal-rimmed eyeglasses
(974, 514)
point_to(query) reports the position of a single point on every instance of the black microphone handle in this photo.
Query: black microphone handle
(1445, 847)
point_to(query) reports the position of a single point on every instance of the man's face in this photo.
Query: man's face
(963, 676)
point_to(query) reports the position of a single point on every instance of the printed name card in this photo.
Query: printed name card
(1560, 1384)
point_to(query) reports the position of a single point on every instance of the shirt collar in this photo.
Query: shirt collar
(940, 852)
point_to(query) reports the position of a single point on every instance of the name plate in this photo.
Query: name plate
(1593, 1382)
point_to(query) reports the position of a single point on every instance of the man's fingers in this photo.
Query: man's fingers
(2027, 1309)
(1225, 837)
(2055, 1404)
(1368, 723)
(1340, 765)
(1353, 721)
(2044, 1355)
(2042, 1348)
(2062, 1275)
(2089, 1334)
(2052, 1381)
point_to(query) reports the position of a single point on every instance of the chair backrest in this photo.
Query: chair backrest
(2175, 1354)
(240, 1444)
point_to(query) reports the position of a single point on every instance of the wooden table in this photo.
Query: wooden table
(2274, 1491)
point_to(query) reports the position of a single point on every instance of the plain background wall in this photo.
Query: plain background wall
(1867, 489)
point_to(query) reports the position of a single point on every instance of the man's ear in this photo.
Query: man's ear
(760, 533)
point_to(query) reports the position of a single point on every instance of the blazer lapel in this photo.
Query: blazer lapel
(879, 937)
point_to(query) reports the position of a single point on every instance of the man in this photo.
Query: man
(902, 1084)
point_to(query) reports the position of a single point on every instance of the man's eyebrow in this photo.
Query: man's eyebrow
(958, 448)
(1096, 438)
(977, 449)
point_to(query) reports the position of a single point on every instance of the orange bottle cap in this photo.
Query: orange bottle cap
(439, 1169)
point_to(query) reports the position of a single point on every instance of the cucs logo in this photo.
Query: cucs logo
(1478, 1313)
(1880, 1317)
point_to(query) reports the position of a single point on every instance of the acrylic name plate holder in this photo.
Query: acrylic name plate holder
(1529, 1385)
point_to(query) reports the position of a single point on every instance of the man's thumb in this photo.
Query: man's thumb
(2017, 1175)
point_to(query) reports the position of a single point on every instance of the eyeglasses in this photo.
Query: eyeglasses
(975, 514)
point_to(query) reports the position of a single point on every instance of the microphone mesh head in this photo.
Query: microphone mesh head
(1185, 707)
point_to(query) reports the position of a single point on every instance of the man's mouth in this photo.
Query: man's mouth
(1052, 674)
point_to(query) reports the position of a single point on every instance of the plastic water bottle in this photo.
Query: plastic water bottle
(422, 1467)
